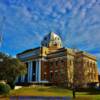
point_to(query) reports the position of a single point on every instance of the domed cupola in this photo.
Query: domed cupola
(52, 40)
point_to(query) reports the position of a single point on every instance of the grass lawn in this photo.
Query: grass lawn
(51, 91)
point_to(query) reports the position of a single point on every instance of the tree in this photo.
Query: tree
(10, 69)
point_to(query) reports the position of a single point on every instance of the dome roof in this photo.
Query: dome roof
(52, 40)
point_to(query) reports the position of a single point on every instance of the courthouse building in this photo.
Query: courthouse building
(58, 65)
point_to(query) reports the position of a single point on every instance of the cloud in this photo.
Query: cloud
(77, 22)
(25, 12)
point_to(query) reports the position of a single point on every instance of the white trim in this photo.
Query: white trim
(39, 71)
(56, 59)
(26, 55)
(31, 68)
(28, 68)
(30, 71)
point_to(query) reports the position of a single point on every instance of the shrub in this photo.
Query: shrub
(4, 88)
(11, 84)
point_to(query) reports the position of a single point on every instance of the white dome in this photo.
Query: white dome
(51, 40)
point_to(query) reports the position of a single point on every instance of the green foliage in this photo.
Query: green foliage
(11, 84)
(4, 88)
(10, 68)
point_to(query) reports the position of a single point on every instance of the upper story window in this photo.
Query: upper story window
(56, 63)
(51, 65)
(45, 67)
(62, 61)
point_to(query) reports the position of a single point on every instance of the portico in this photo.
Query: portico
(33, 72)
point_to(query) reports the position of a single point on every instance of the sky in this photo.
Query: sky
(24, 23)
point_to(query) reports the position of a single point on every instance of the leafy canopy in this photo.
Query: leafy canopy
(10, 68)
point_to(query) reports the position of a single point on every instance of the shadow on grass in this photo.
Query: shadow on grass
(90, 91)
(94, 93)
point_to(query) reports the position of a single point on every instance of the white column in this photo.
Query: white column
(38, 71)
(29, 71)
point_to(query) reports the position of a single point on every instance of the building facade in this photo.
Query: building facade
(58, 65)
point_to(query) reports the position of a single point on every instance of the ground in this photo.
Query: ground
(51, 91)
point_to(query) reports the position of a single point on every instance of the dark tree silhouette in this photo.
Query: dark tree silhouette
(10, 69)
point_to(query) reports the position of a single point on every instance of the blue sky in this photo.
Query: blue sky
(28, 21)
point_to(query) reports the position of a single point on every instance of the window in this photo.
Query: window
(62, 71)
(44, 76)
(51, 75)
(56, 67)
(62, 62)
(50, 65)
(62, 74)
(55, 75)
(45, 67)
(56, 63)
(55, 44)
